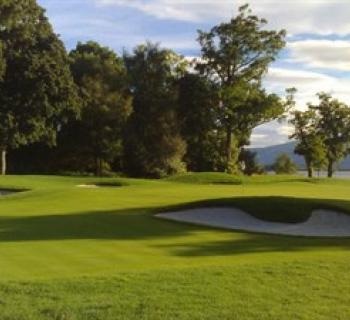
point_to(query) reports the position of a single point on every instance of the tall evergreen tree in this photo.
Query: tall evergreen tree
(95, 139)
(37, 92)
(153, 145)
(236, 55)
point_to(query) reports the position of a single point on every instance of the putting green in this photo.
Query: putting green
(99, 253)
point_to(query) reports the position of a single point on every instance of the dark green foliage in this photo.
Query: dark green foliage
(249, 163)
(102, 81)
(284, 165)
(2, 61)
(37, 92)
(198, 111)
(153, 145)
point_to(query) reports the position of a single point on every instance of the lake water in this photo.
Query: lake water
(322, 174)
(337, 174)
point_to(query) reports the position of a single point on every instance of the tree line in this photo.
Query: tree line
(149, 112)
(323, 133)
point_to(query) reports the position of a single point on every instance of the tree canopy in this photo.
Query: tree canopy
(37, 91)
(333, 118)
(106, 104)
(310, 143)
(284, 164)
(153, 145)
(236, 55)
(150, 112)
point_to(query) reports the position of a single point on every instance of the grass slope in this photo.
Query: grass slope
(79, 253)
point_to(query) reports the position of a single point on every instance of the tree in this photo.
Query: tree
(284, 165)
(153, 145)
(2, 62)
(334, 126)
(6, 15)
(37, 92)
(102, 80)
(310, 142)
(197, 113)
(250, 163)
(236, 55)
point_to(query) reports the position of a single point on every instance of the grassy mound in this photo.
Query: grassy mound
(218, 178)
(206, 178)
(274, 209)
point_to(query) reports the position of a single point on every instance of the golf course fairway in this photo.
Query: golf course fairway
(69, 252)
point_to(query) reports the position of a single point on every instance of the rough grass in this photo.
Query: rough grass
(283, 290)
(75, 253)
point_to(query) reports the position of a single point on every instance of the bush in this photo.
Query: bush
(284, 165)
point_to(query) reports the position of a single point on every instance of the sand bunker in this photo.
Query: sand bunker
(88, 186)
(99, 185)
(6, 192)
(322, 223)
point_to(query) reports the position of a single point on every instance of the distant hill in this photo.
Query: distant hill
(267, 155)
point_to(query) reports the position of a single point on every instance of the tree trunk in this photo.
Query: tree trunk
(330, 168)
(97, 166)
(100, 167)
(3, 162)
(228, 148)
(310, 171)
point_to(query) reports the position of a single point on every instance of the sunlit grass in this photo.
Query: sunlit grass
(98, 253)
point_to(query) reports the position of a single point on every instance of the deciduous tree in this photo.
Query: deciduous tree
(198, 114)
(103, 86)
(236, 55)
(153, 144)
(310, 142)
(334, 126)
(37, 92)
(284, 164)
(250, 164)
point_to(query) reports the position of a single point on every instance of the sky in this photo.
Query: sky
(316, 57)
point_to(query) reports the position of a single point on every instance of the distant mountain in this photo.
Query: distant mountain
(267, 155)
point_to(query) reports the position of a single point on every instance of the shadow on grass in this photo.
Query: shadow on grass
(256, 243)
(129, 224)
(139, 224)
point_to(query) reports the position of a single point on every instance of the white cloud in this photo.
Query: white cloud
(325, 54)
(270, 134)
(297, 16)
(176, 9)
(308, 84)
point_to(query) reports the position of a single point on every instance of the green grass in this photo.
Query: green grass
(77, 253)
(270, 208)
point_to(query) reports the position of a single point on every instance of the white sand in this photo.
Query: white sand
(322, 223)
(5, 192)
(89, 186)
